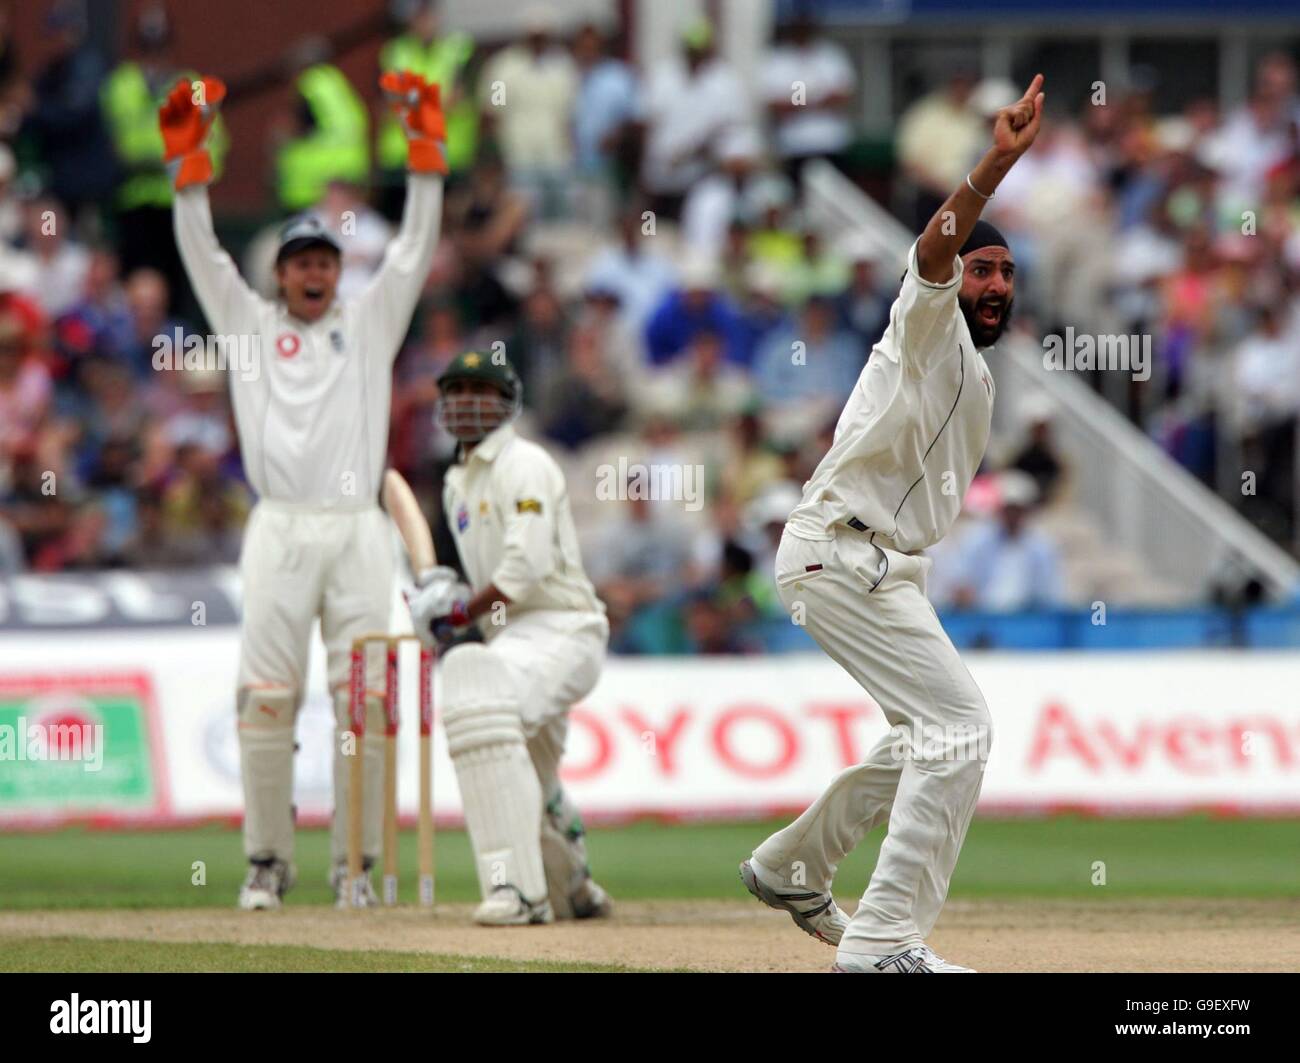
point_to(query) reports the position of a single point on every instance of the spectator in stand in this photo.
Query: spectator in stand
(363, 232)
(762, 310)
(863, 306)
(62, 263)
(692, 98)
(11, 209)
(417, 441)
(98, 324)
(699, 391)
(15, 92)
(538, 349)
(589, 396)
(694, 307)
(526, 94)
(1257, 136)
(938, 136)
(805, 369)
(487, 217)
(1006, 564)
(1266, 379)
(146, 302)
(65, 121)
(605, 114)
(808, 86)
(642, 557)
(716, 202)
(26, 389)
(1038, 458)
(635, 271)
(818, 271)
(203, 509)
(752, 463)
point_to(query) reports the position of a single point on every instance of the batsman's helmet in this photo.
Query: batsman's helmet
(494, 369)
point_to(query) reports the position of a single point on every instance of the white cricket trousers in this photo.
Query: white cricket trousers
(865, 605)
(300, 563)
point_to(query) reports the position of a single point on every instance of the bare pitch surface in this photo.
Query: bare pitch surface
(1031, 936)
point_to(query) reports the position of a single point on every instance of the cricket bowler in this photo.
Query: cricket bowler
(850, 567)
(313, 432)
(505, 701)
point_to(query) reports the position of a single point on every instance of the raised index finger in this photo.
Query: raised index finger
(1032, 91)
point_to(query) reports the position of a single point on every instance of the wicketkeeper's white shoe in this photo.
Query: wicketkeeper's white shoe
(348, 895)
(813, 913)
(265, 885)
(919, 959)
(506, 906)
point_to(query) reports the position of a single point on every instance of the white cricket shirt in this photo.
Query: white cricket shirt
(313, 419)
(508, 509)
(912, 435)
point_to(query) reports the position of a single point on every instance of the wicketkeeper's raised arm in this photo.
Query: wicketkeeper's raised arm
(1013, 133)
(186, 118)
(390, 296)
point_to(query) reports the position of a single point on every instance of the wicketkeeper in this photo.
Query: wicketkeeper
(313, 432)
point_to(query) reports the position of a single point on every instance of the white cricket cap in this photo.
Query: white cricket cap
(699, 272)
(1017, 488)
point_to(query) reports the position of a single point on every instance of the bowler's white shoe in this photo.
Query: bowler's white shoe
(813, 913)
(265, 885)
(919, 959)
(506, 906)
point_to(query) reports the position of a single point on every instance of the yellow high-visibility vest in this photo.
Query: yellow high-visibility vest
(337, 148)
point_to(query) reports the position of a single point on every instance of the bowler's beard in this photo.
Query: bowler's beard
(984, 335)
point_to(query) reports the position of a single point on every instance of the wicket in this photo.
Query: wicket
(357, 712)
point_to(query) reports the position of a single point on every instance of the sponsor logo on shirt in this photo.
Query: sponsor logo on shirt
(528, 505)
(462, 518)
(288, 344)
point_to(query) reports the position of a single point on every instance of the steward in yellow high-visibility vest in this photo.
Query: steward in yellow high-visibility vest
(129, 100)
(335, 145)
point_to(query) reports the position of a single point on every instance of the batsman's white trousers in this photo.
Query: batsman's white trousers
(865, 605)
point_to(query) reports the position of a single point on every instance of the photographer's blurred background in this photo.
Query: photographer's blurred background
(654, 203)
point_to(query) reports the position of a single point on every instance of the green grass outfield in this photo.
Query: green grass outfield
(1003, 858)
(1044, 859)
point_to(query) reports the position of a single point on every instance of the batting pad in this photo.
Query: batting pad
(266, 718)
(498, 784)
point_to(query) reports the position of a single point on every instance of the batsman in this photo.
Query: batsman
(505, 701)
(313, 432)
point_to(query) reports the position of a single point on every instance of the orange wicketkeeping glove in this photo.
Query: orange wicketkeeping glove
(418, 104)
(185, 118)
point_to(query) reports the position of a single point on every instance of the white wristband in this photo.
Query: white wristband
(977, 191)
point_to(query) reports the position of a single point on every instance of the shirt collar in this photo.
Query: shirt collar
(493, 443)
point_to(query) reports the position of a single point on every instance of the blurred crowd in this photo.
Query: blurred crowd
(634, 239)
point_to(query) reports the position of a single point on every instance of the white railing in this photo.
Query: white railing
(1146, 502)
